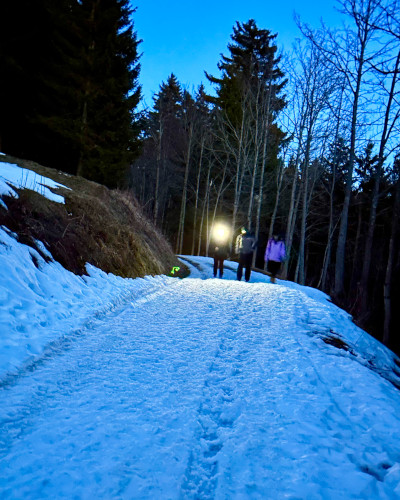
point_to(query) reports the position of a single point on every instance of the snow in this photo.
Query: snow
(164, 388)
(22, 178)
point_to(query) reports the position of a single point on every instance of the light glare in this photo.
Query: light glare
(221, 233)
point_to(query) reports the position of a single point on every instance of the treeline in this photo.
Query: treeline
(305, 143)
(69, 85)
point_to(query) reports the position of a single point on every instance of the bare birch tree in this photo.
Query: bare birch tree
(351, 52)
(197, 188)
(387, 289)
(312, 84)
(388, 73)
(336, 113)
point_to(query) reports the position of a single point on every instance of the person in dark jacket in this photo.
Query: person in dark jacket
(220, 252)
(275, 254)
(245, 246)
(219, 248)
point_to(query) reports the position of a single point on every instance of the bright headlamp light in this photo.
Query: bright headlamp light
(221, 233)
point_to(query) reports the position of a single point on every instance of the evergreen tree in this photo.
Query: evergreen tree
(109, 92)
(365, 168)
(165, 136)
(26, 54)
(167, 102)
(54, 119)
(71, 90)
(251, 67)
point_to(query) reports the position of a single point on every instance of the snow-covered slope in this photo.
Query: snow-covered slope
(194, 388)
(14, 176)
(41, 303)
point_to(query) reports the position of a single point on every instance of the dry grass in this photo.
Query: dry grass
(103, 227)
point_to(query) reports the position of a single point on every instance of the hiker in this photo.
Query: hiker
(245, 246)
(220, 253)
(219, 248)
(275, 254)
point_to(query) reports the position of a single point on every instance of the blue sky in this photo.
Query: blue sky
(187, 38)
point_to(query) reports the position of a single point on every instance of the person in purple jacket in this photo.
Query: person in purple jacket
(275, 254)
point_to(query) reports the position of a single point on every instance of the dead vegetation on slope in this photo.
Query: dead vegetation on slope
(96, 225)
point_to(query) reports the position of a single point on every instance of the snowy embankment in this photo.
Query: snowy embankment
(42, 303)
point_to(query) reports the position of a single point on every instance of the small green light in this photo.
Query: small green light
(175, 269)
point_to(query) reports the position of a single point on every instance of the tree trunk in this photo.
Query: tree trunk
(84, 120)
(328, 250)
(277, 199)
(196, 203)
(220, 191)
(255, 161)
(263, 162)
(179, 246)
(341, 246)
(304, 211)
(238, 176)
(205, 204)
(158, 168)
(84, 123)
(387, 288)
(354, 285)
(293, 207)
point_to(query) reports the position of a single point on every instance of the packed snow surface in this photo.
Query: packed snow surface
(201, 388)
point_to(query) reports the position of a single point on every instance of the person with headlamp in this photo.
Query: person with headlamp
(219, 247)
(245, 245)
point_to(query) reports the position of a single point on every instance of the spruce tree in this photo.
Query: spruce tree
(109, 91)
(252, 64)
(168, 100)
(165, 128)
(25, 43)
(71, 90)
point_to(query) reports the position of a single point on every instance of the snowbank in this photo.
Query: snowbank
(42, 302)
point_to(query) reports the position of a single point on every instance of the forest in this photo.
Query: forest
(305, 143)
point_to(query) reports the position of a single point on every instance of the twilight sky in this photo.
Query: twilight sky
(186, 37)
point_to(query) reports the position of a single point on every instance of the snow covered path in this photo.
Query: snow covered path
(201, 389)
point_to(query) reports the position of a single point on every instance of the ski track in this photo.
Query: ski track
(213, 408)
